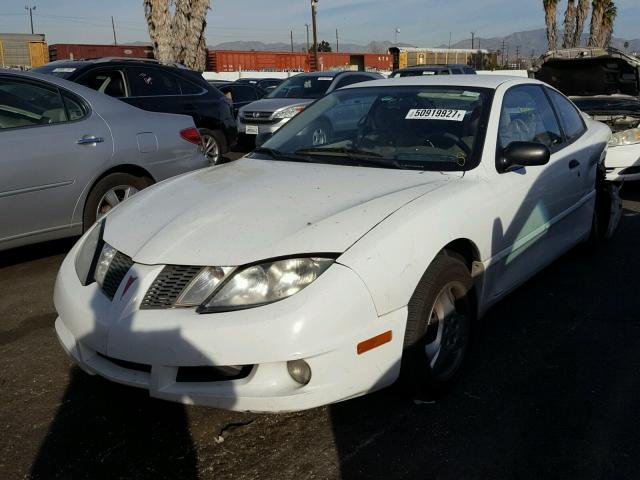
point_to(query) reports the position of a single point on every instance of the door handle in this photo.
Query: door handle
(90, 140)
(574, 164)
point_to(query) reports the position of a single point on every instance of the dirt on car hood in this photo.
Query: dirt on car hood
(252, 209)
(589, 71)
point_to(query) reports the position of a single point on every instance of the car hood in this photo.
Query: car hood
(251, 210)
(273, 104)
(589, 71)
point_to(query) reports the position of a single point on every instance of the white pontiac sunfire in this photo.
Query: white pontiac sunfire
(322, 267)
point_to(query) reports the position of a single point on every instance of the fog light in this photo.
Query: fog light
(299, 371)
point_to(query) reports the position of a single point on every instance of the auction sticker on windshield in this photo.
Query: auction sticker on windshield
(435, 114)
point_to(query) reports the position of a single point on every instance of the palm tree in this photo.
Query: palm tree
(581, 16)
(609, 17)
(569, 24)
(189, 23)
(159, 24)
(178, 37)
(550, 13)
(597, 15)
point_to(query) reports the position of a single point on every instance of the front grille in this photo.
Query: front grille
(257, 118)
(118, 268)
(139, 367)
(168, 286)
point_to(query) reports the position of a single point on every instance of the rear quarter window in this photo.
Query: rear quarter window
(570, 118)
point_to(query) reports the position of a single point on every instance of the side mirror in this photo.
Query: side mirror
(523, 154)
(262, 138)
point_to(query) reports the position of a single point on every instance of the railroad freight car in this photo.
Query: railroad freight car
(76, 51)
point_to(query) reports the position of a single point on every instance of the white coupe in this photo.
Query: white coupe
(323, 266)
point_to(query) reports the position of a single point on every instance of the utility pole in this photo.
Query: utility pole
(307, 25)
(31, 9)
(113, 27)
(517, 56)
(395, 35)
(473, 35)
(502, 53)
(291, 31)
(449, 40)
(314, 7)
(337, 42)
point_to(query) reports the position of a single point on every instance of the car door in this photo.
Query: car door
(49, 138)
(534, 218)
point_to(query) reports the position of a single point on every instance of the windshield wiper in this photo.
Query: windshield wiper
(362, 158)
(277, 155)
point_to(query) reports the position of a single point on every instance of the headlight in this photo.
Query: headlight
(289, 112)
(202, 286)
(628, 137)
(266, 283)
(87, 253)
(104, 260)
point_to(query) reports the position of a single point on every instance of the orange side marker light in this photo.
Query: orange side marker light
(374, 342)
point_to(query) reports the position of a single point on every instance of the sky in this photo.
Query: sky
(421, 22)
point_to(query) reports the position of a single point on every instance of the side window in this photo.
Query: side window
(188, 88)
(527, 116)
(151, 82)
(469, 71)
(109, 82)
(347, 80)
(456, 71)
(76, 108)
(25, 104)
(243, 93)
(570, 118)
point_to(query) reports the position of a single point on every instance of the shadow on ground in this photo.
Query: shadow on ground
(551, 388)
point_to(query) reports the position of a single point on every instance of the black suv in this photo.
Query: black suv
(419, 70)
(149, 85)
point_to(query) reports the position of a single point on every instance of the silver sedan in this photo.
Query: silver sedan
(69, 154)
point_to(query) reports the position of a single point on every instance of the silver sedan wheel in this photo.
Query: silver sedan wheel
(113, 197)
(447, 333)
(210, 148)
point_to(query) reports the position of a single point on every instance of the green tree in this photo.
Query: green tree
(323, 46)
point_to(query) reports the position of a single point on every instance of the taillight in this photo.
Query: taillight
(191, 135)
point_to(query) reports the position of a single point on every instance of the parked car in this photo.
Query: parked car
(149, 85)
(266, 84)
(605, 84)
(306, 274)
(241, 94)
(70, 154)
(291, 97)
(419, 70)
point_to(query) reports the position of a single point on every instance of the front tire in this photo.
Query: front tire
(438, 330)
(110, 191)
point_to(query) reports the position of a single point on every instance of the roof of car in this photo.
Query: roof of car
(441, 67)
(482, 81)
(329, 73)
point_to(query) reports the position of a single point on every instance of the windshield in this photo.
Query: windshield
(607, 104)
(416, 127)
(302, 86)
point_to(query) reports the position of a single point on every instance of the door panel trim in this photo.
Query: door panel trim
(36, 188)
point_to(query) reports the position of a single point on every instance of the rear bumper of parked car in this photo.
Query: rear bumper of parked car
(150, 348)
(623, 163)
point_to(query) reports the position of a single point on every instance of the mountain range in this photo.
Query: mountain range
(531, 43)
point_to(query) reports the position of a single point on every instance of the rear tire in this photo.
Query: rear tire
(213, 146)
(438, 333)
(110, 191)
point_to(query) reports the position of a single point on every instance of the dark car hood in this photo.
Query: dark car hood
(589, 71)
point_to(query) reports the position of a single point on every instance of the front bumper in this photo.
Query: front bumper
(623, 163)
(322, 325)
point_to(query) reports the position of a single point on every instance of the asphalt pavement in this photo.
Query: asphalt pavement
(551, 389)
